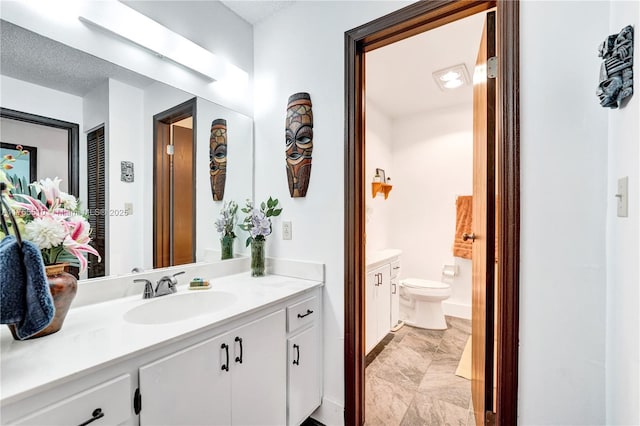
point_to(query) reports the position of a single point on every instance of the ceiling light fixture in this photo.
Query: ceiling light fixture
(452, 77)
(125, 22)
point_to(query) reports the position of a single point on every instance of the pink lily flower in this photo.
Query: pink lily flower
(77, 242)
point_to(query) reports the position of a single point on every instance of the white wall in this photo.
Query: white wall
(52, 144)
(125, 143)
(34, 99)
(291, 57)
(563, 190)
(379, 143)
(563, 214)
(433, 164)
(623, 236)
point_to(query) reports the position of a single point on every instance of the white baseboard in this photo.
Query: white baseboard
(330, 413)
(458, 310)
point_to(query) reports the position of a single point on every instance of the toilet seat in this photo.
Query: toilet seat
(424, 284)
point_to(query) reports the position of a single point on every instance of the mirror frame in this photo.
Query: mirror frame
(73, 142)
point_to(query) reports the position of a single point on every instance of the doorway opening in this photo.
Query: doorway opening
(412, 20)
(174, 176)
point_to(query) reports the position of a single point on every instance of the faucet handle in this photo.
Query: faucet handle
(148, 288)
(174, 281)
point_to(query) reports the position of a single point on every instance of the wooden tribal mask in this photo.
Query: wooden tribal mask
(218, 158)
(299, 143)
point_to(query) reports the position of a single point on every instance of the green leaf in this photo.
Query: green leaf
(263, 206)
(275, 202)
(277, 212)
(269, 213)
(270, 203)
(248, 242)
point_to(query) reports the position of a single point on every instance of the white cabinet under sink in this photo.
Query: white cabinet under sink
(237, 372)
(381, 295)
(237, 378)
(378, 305)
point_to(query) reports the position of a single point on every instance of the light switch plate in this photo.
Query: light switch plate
(623, 197)
(286, 231)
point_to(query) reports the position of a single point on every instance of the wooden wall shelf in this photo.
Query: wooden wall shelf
(380, 187)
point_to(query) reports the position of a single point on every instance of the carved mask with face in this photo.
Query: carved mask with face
(218, 158)
(299, 143)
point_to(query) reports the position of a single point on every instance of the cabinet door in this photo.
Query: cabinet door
(109, 403)
(371, 319)
(258, 388)
(383, 302)
(189, 387)
(304, 375)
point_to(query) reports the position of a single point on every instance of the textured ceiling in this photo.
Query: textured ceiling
(255, 11)
(398, 76)
(31, 57)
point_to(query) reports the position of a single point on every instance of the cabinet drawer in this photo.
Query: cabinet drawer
(395, 268)
(112, 398)
(302, 313)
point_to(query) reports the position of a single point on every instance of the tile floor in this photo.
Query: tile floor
(412, 382)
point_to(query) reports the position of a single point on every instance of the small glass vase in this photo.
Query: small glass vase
(257, 258)
(226, 244)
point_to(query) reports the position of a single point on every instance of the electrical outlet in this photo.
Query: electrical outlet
(128, 209)
(286, 231)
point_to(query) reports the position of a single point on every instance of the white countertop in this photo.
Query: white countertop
(94, 336)
(377, 257)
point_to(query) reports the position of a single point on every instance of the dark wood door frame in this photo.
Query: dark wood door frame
(173, 115)
(396, 26)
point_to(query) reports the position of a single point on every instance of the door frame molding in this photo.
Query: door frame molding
(411, 20)
(172, 115)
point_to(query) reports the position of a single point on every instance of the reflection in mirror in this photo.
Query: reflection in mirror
(55, 140)
(46, 78)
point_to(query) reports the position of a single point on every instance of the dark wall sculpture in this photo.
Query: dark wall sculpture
(218, 158)
(616, 71)
(299, 143)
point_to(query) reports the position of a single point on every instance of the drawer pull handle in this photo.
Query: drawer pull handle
(396, 267)
(97, 414)
(225, 367)
(239, 358)
(309, 312)
(297, 360)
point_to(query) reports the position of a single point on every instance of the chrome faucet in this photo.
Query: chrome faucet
(165, 285)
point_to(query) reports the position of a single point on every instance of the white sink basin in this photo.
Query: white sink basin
(178, 307)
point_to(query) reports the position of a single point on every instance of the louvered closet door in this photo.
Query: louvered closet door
(96, 204)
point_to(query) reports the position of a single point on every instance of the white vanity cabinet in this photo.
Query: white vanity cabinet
(235, 370)
(378, 305)
(304, 387)
(237, 378)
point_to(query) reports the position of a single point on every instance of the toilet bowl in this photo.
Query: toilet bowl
(421, 303)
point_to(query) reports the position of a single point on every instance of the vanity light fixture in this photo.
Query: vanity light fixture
(123, 21)
(452, 77)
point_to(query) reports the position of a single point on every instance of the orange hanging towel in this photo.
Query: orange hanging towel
(464, 206)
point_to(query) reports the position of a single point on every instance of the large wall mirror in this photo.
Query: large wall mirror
(45, 78)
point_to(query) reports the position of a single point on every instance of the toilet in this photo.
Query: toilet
(421, 303)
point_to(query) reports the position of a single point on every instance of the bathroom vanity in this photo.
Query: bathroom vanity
(247, 351)
(381, 293)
